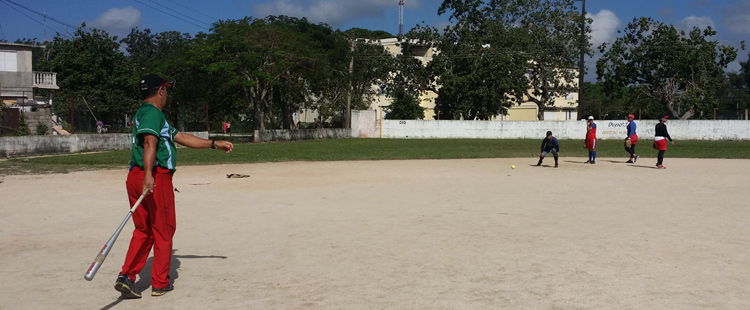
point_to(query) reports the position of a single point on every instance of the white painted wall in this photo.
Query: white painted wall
(416, 129)
(365, 124)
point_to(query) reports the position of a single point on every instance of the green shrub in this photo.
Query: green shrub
(66, 126)
(42, 129)
(23, 129)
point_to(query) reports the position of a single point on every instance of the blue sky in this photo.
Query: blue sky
(24, 18)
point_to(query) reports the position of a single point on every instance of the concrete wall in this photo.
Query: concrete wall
(41, 145)
(679, 130)
(304, 134)
(19, 83)
(16, 84)
(40, 116)
(365, 124)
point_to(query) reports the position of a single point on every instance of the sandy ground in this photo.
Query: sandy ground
(428, 234)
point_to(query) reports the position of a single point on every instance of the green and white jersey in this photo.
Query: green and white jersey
(150, 120)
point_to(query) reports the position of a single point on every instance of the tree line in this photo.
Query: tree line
(493, 55)
(257, 72)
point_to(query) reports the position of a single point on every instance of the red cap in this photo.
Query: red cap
(665, 117)
(631, 116)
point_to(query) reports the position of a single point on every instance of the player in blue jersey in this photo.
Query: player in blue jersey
(631, 140)
(549, 145)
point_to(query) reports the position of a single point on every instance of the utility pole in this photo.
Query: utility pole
(400, 18)
(348, 121)
(206, 115)
(581, 67)
(72, 116)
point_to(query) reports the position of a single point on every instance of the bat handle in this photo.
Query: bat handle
(138, 202)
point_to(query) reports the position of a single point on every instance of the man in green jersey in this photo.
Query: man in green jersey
(152, 164)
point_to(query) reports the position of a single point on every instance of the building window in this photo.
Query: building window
(8, 61)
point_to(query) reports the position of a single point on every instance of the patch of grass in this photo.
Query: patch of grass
(372, 149)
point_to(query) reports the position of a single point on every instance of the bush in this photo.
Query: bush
(42, 129)
(405, 106)
(23, 129)
(66, 126)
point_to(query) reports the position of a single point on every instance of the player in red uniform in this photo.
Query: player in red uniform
(631, 140)
(591, 140)
(660, 140)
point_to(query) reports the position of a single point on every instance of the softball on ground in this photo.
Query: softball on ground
(512, 166)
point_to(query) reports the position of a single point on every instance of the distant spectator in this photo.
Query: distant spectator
(99, 126)
(229, 128)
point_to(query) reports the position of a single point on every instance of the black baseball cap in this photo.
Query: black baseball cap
(549, 133)
(151, 81)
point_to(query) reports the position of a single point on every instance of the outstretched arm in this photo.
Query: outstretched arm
(194, 142)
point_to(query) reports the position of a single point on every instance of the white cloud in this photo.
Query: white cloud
(603, 30)
(118, 21)
(691, 22)
(736, 17)
(603, 27)
(332, 12)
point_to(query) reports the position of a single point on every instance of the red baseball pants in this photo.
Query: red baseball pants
(155, 225)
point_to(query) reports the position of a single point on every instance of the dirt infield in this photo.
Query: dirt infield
(422, 234)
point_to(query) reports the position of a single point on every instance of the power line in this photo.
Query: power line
(170, 14)
(184, 15)
(24, 14)
(196, 11)
(41, 14)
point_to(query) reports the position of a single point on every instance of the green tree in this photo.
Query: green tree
(551, 40)
(278, 65)
(90, 67)
(477, 74)
(261, 58)
(171, 55)
(681, 71)
(23, 128)
(357, 63)
(405, 106)
(141, 46)
(359, 33)
(499, 53)
(603, 104)
(735, 93)
(600, 104)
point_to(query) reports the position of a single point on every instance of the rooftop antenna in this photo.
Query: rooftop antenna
(400, 17)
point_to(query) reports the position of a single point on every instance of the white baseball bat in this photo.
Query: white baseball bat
(99, 260)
